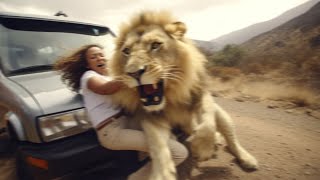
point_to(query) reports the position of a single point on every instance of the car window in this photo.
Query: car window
(21, 49)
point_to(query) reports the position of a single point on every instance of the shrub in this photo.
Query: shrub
(315, 41)
(229, 56)
(312, 67)
(225, 73)
(254, 67)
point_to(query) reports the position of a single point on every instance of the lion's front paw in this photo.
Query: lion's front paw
(202, 148)
(204, 152)
(202, 143)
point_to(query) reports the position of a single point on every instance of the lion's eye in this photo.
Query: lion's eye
(126, 51)
(155, 45)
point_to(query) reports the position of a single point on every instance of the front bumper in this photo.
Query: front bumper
(78, 156)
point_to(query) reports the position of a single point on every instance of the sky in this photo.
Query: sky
(205, 19)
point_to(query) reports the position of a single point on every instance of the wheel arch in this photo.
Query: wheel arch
(15, 126)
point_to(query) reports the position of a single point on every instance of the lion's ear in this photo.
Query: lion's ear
(176, 29)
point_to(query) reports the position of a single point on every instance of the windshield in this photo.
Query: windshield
(32, 51)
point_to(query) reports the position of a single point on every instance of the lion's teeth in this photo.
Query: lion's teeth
(143, 99)
(156, 98)
(155, 86)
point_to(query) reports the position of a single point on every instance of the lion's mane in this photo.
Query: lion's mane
(187, 58)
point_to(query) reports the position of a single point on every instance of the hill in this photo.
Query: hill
(207, 47)
(292, 49)
(242, 35)
(281, 65)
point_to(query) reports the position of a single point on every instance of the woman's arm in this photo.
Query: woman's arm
(103, 87)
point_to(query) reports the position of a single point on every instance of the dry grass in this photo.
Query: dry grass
(281, 92)
(266, 90)
(224, 73)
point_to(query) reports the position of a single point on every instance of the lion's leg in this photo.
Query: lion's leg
(202, 139)
(163, 167)
(226, 128)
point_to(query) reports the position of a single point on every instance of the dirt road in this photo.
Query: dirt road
(286, 145)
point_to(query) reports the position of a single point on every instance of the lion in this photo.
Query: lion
(168, 89)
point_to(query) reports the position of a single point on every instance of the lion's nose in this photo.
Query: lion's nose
(136, 74)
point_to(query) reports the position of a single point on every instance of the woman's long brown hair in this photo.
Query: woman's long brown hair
(73, 66)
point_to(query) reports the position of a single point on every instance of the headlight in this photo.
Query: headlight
(63, 125)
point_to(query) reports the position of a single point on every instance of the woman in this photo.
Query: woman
(86, 70)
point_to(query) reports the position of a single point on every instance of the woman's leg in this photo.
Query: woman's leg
(115, 136)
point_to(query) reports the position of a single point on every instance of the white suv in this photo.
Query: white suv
(45, 119)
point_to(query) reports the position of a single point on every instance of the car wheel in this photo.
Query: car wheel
(22, 168)
(13, 138)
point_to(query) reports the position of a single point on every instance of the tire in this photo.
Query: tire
(13, 138)
(22, 168)
(5, 142)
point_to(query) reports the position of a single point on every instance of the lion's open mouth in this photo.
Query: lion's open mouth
(151, 94)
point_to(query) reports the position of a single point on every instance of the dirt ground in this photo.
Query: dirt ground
(287, 146)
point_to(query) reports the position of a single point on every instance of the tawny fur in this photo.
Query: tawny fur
(154, 42)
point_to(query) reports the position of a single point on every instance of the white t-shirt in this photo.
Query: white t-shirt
(99, 107)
